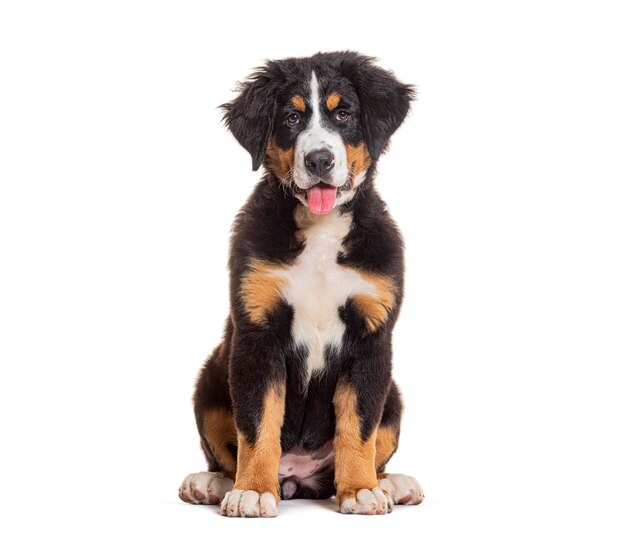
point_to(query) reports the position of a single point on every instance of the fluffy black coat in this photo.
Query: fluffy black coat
(253, 357)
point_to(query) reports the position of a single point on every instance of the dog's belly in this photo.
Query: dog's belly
(303, 466)
(317, 286)
(298, 471)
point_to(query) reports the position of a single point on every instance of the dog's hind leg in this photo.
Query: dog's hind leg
(401, 489)
(218, 437)
(388, 432)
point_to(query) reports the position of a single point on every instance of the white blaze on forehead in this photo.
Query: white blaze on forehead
(315, 102)
(318, 137)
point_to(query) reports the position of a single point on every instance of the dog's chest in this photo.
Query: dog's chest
(316, 286)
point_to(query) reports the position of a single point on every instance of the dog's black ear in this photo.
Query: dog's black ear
(385, 101)
(250, 116)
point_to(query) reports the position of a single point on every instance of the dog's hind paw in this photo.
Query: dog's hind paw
(204, 487)
(402, 489)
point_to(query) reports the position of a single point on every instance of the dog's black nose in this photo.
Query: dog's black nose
(319, 162)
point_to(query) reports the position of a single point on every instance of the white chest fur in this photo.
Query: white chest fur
(316, 286)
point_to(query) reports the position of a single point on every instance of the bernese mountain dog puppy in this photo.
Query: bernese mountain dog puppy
(298, 399)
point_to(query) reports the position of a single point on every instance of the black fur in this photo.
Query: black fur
(253, 357)
(378, 100)
(250, 117)
(384, 101)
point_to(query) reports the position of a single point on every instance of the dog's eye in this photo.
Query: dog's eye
(342, 116)
(293, 119)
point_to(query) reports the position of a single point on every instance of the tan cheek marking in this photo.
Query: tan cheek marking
(386, 444)
(358, 158)
(219, 430)
(261, 290)
(375, 310)
(354, 458)
(298, 103)
(333, 101)
(280, 161)
(258, 462)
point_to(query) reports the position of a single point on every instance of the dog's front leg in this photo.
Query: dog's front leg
(257, 382)
(358, 403)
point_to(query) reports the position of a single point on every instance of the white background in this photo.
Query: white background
(119, 185)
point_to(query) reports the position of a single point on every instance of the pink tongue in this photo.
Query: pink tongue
(321, 199)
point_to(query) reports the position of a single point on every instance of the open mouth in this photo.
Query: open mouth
(321, 197)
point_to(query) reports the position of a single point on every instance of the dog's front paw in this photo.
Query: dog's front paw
(364, 502)
(402, 489)
(248, 503)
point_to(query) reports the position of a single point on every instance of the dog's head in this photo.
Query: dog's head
(318, 123)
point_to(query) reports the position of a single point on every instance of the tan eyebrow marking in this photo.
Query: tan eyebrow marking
(333, 101)
(298, 103)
